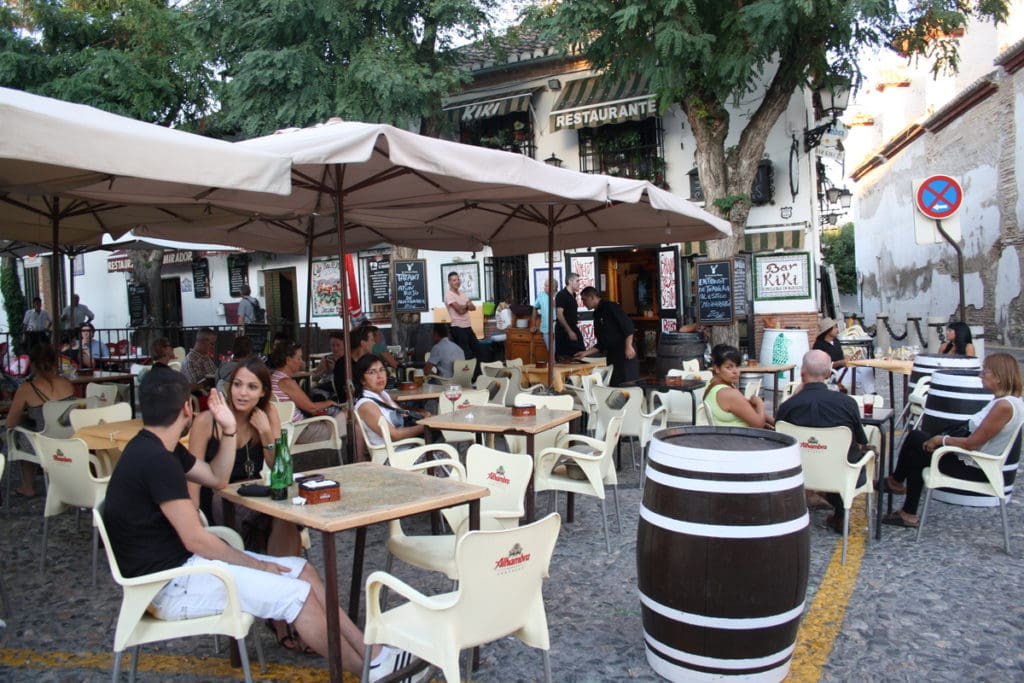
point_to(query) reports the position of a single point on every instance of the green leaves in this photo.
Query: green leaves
(838, 249)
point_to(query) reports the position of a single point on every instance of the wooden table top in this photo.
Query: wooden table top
(424, 393)
(767, 368)
(499, 420)
(902, 367)
(370, 494)
(101, 376)
(110, 435)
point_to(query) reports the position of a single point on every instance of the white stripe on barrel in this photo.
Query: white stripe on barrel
(722, 553)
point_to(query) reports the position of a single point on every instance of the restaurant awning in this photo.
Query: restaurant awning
(590, 102)
(489, 105)
(754, 242)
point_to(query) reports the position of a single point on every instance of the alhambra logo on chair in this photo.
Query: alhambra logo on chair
(60, 457)
(498, 475)
(813, 443)
(515, 557)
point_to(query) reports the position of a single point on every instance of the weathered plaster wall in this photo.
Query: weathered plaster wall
(983, 149)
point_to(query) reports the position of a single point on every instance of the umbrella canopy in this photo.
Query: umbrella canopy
(128, 172)
(402, 188)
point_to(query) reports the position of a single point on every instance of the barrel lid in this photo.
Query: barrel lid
(724, 438)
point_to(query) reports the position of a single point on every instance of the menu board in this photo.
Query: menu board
(136, 305)
(201, 278)
(378, 273)
(714, 292)
(238, 273)
(411, 286)
(739, 286)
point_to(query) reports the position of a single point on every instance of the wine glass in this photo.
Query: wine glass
(453, 393)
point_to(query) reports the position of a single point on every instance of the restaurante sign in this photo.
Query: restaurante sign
(120, 262)
(604, 112)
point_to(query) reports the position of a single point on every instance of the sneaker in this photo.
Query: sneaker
(392, 660)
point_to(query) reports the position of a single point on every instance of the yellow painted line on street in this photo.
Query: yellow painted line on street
(206, 668)
(824, 620)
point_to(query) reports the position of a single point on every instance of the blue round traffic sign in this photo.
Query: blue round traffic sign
(939, 196)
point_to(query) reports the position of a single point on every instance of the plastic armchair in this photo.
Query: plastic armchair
(823, 456)
(106, 394)
(491, 369)
(462, 373)
(546, 439)
(604, 374)
(487, 605)
(993, 485)
(507, 476)
(175, 365)
(639, 425)
(594, 457)
(583, 390)
(56, 423)
(72, 484)
(497, 388)
(86, 417)
(753, 388)
(180, 353)
(680, 406)
(136, 626)
(285, 409)
(692, 365)
(916, 401)
(285, 412)
(704, 418)
(380, 453)
(788, 389)
(611, 402)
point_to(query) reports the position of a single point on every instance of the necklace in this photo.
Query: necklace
(250, 465)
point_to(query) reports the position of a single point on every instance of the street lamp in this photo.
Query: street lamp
(834, 99)
(553, 161)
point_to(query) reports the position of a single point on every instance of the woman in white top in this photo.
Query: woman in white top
(372, 401)
(990, 429)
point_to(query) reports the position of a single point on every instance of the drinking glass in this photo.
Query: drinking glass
(453, 393)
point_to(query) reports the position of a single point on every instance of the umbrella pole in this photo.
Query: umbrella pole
(54, 266)
(339, 217)
(551, 297)
(309, 286)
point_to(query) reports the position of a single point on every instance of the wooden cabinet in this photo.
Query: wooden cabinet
(521, 343)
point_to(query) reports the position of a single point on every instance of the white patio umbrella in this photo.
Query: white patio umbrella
(129, 173)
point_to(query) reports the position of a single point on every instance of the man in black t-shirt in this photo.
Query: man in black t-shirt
(568, 339)
(614, 331)
(153, 526)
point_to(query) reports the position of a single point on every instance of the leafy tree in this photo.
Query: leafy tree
(838, 249)
(705, 55)
(300, 62)
(14, 300)
(130, 57)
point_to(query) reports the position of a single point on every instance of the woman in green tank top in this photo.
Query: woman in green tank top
(728, 406)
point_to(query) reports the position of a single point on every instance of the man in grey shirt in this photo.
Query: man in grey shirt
(444, 353)
(76, 315)
(246, 309)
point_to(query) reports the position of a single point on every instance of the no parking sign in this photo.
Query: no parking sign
(937, 198)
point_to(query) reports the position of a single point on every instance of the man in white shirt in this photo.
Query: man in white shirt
(37, 324)
(76, 315)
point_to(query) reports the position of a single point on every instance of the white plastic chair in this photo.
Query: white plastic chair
(753, 388)
(990, 465)
(611, 402)
(637, 424)
(916, 401)
(788, 389)
(496, 387)
(136, 626)
(285, 411)
(704, 418)
(507, 475)
(180, 353)
(175, 365)
(594, 457)
(679, 405)
(71, 484)
(692, 365)
(56, 424)
(106, 394)
(823, 452)
(462, 373)
(546, 439)
(582, 389)
(491, 369)
(379, 453)
(487, 605)
(604, 374)
(86, 417)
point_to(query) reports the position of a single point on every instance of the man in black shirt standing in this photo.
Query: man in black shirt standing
(568, 339)
(153, 525)
(614, 331)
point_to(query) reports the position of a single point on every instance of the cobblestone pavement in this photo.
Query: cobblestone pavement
(947, 608)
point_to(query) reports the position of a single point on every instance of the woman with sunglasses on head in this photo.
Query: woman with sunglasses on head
(287, 360)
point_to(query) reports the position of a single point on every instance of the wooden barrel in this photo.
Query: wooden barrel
(928, 363)
(722, 553)
(955, 395)
(675, 347)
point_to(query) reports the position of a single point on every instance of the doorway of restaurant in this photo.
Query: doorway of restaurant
(281, 295)
(172, 300)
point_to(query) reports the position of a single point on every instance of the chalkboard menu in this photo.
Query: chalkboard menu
(411, 286)
(136, 305)
(238, 273)
(714, 292)
(739, 287)
(379, 276)
(201, 278)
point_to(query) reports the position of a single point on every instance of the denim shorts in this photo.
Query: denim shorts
(262, 594)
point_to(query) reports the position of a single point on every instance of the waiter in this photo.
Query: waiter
(568, 340)
(614, 332)
(37, 324)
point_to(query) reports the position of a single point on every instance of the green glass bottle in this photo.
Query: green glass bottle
(279, 478)
(285, 454)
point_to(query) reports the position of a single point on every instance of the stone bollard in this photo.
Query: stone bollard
(978, 337)
(915, 334)
(882, 338)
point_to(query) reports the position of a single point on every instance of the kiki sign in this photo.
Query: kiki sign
(782, 276)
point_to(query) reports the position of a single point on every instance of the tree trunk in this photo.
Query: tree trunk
(146, 268)
(404, 326)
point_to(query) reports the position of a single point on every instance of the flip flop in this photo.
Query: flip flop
(286, 640)
(898, 489)
(896, 519)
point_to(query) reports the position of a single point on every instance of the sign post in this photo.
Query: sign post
(940, 197)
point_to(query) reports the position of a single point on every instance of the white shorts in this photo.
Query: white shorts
(262, 594)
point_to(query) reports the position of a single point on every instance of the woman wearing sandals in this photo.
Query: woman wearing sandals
(258, 427)
(989, 430)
